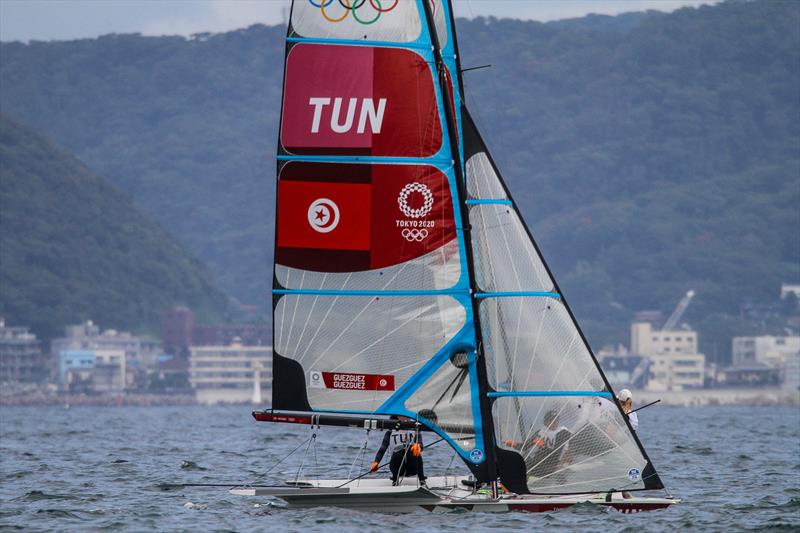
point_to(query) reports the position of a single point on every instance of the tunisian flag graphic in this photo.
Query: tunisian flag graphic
(342, 217)
(359, 100)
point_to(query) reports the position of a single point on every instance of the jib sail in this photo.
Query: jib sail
(557, 427)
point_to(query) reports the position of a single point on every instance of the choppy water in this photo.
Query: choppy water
(104, 468)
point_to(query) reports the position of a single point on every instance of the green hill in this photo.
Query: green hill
(73, 247)
(651, 153)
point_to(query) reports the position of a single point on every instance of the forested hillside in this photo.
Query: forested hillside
(650, 153)
(73, 247)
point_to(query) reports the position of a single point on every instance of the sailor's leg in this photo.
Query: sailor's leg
(394, 464)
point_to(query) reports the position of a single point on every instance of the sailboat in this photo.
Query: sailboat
(407, 284)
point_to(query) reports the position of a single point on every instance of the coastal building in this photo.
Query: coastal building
(791, 374)
(675, 363)
(140, 352)
(749, 375)
(226, 334)
(769, 350)
(226, 374)
(21, 357)
(646, 341)
(177, 327)
(625, 371)
(101, 371)
(676, 372)
(180, 332)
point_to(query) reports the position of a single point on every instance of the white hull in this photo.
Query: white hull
(441, 495)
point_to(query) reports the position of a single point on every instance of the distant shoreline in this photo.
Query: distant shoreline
(729, 396)
(39, 397)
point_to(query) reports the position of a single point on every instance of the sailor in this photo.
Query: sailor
(548, 449)
(625, 399)
(406, 448)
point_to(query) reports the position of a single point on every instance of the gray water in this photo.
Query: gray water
(95, 469)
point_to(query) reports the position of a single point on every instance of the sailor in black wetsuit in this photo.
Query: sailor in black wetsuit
(406, 448)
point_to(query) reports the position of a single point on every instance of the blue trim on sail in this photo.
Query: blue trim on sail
(516, 293)
(419, 44)
(437, 161)
(548, 393)
(463, 340)
(334, 292)
(489, 201)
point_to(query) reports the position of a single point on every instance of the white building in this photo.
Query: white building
(226, 374)
(674, 361)
(108, 374)
(21, 357)
(791, 374)
(766, 349)
(648, 341)
(676, 372)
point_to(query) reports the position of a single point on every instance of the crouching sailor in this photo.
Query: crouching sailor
(405, 446)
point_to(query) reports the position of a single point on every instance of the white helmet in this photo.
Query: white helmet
(624, 395)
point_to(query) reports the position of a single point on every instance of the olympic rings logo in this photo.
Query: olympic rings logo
(412, 235)
(354, 7)
(402, 200)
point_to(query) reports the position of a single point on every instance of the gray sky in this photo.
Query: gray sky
(25, 20)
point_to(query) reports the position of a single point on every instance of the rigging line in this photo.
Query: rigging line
(322, 322)
(283, 459)
(302, 462)
(464, 374)
(447, 389)
(381, 466)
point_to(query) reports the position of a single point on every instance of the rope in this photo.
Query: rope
(310, 441)
(282, 460)
(361, 453)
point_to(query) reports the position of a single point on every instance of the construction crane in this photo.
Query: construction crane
(676, 315)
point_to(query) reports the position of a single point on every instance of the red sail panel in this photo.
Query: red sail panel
(361, 100)
(354, 217)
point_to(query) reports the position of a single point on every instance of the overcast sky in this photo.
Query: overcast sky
(24, 20)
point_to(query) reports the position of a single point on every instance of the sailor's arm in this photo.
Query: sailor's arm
(381, 450)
